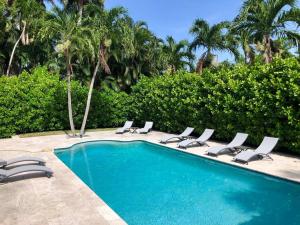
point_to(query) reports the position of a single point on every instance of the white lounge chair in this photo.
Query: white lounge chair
(199, 141)
(263, 150)
(148, 126)
(233, 146)
(187, 132)
(125, 128)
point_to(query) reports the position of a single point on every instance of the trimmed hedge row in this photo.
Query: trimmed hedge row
(260, 100)
(38, 102)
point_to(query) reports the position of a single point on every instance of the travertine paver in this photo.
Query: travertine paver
(64, 199)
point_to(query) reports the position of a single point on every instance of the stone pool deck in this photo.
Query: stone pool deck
(65, 200)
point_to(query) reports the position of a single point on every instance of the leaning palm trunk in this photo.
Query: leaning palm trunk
(14, 49)
(70, 110)
(88, 102)
(101, 61)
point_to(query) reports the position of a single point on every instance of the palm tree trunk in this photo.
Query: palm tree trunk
(246, 55)
(200, 64)
(101, 61)
(70, 110)
(14, 49)
(80, 11)
(199, 68)
(88, 102)
(268, 50)
(173, 69)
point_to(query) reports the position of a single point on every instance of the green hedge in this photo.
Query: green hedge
(260, 100)
(38, 102)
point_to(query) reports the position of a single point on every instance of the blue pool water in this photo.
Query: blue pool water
(148, 184)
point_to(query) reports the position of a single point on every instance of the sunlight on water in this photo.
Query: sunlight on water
(150, 184)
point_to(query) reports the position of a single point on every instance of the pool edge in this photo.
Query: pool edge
(213, 159)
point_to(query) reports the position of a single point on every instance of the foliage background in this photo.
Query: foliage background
(38, 102)
(262, 99)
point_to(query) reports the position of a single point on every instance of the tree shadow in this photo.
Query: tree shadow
(264, 208)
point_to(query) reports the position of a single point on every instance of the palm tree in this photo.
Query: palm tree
(100, 23)
(70, 42)
(21, 24)
(212, 38)
(42, 2)
(22, 36)
(248, 49)
(78, 5)
(137, 40)
(177, 54)
(244, 37)
(267, 19)
(135, 50)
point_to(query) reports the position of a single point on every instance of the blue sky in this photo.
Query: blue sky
(175, 17)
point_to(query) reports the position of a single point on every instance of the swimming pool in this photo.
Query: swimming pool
(149, 184)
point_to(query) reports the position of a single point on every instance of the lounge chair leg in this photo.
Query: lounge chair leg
(268, 156)
(49, 175)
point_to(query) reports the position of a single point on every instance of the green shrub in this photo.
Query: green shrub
(260, 100)
(38, 102)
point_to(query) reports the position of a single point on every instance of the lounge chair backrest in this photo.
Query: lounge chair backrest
(238, 140)
(128, 124)
(187, 132)
(267, 145)
(148, 125)
(207, 133)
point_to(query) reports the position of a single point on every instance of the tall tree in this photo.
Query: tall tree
(135, 50)
(100, 22)
(268, 19)
(244, 37)
(212, 39)
(78, 5)
(22, 20)
(71, 42)
(22, 36)
(178, 54)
